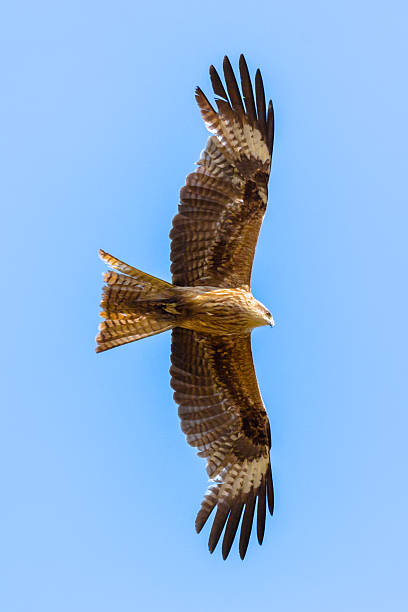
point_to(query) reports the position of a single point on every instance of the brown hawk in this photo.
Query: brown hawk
(210, 308)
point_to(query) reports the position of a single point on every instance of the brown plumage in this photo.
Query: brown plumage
(210, 308)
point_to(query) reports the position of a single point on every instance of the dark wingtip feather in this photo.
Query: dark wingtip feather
(261, 517)
(217, 85)
(231, 528)
(202, 98)
(260, 102)
(217, 526)
(246, 527)
(270, 127)
(201, 520)
(207, 506)
(232, 86)
(247, 89)
(269, 490)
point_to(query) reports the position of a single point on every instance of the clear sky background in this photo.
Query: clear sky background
(99, 489)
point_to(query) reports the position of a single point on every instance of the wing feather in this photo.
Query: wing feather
(223, 203)
(232, 527)
(216, 83)
(260, 523)
(247, 90)
(232, 87)
(246, 527)
(270, 127)
(223, 416)
(260, 103)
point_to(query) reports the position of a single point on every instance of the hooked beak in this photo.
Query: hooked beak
(272, 322)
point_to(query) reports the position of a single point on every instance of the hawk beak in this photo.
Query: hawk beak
(272, 322)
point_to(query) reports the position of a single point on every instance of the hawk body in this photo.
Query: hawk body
(221, 311)
(210, 308)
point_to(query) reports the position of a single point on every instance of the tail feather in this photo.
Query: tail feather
(134, 304)
(146, 279)
(122, 331)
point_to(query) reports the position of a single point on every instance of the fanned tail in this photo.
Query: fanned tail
(134, 305)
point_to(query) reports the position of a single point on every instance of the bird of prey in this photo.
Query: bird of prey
(210, 308)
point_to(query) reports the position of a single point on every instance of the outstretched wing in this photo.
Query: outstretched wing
(223, 202)
(222, 414)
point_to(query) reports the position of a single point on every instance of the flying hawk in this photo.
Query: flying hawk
(210, 308)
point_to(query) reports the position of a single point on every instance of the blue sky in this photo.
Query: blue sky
(99, 129)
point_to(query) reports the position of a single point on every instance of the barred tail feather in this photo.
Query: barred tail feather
(134, 304)
(150, 282)
(122, 331)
